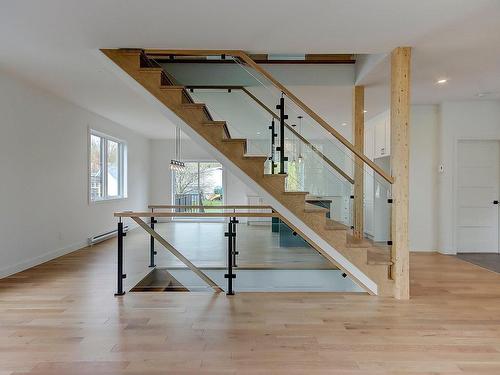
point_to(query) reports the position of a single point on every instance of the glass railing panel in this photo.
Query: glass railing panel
(271, 257)
(312, 130)
(377, 207)
(324, 166)
(323, 183)
(318, 138)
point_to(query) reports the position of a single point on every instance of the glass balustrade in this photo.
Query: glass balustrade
(315, 156)
(271, 258)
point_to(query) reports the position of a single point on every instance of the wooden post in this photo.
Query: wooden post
(400, 118)
(358, 122)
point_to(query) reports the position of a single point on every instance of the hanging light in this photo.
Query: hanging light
(294, 144)
(300, 159)
(176, 164)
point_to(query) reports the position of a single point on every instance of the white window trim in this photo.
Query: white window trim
(123, 180)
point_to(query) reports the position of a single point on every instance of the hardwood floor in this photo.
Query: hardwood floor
(61, 318)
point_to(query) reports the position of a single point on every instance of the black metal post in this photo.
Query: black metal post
(281, 147)
(230, 275)
(235, 252)
(120, 274)
(273, 142)
(152, 251)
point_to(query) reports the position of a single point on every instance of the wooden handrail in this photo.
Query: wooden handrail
(248, 60)
(138, 214)
(222, 207)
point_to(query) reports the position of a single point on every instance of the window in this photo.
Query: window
(199, 184)
(107, 164)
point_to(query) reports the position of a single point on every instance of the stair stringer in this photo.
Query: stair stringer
(321, 245)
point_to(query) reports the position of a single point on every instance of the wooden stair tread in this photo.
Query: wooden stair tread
(151, 69)
(249, 156)
(275, 175)
(171, 87)
(313, 208)
(235, 140)
(288, 192)
(355, 242)
(194, 105)
(376, 257)
(215, 123)
(222, 124)
(335, 225)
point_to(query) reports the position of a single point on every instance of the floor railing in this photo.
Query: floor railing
(230, 211)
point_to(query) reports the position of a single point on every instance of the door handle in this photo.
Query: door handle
(495, 202)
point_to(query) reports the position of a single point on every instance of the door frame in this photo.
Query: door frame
(455, 186)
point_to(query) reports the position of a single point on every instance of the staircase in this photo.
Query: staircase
(370, 259)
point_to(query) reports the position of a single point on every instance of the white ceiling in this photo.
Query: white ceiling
(54, 43)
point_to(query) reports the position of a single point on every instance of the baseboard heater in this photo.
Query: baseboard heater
(105, 236)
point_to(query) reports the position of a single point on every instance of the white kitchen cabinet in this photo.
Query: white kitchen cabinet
(369, 142)
(382, 138)
(376, 208)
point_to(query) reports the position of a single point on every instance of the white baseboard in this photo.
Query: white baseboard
(21, 266)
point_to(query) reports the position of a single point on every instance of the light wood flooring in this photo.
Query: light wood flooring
(61, 318)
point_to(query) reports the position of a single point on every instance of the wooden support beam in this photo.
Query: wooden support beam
(358, 121)
(400, 118)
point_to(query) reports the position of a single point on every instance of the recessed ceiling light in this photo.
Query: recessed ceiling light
(442, 81)
(258, 133)
(344, 124)
(365, 111)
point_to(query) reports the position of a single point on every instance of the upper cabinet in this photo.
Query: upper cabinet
(378, 136)
(369, 144)
(382, 138)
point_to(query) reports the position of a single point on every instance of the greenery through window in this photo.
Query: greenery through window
(107, 167)
(199, 184)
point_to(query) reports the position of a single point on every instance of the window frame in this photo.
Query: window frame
(122, 167)
(224, 188)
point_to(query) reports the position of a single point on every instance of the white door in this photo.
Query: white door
(478, 189)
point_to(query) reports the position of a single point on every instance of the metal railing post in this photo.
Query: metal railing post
(152, 251)
(235, 252)
(281, 147)
(120, 274)
(273, 142)
(230, 275)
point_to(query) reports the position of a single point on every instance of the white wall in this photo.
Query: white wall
(434, 133)
(162, 151)
(43, 166)
(459, 120)
(423, 174)
(424, 127)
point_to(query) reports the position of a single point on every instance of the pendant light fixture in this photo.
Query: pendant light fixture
(176, 164)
